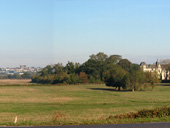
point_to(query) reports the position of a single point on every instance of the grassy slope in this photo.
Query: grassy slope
(36, 105)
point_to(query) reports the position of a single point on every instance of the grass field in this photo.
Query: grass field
(74, 104)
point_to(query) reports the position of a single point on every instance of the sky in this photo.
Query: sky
(41, 32)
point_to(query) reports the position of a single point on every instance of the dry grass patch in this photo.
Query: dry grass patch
(62, 99)
(7, 117)
(15, 81)
(26, 94)
(39, 117)
(37, 100)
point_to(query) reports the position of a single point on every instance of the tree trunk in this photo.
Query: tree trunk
(119, 88)
(152, 88)
(133, 90)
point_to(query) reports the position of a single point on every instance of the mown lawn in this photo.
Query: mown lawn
(73, 104)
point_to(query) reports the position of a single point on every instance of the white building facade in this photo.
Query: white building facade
(164, 74)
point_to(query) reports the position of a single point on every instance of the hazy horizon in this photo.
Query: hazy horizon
(41, 32)
(136, 60)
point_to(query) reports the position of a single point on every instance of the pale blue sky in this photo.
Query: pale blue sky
(41, 32)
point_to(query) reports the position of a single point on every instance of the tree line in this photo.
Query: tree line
(25, 75)
(112, 70)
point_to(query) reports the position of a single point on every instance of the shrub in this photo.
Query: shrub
(158, 112)
(59, 117)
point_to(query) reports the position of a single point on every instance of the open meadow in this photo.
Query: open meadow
(74, 104)
(15, 81)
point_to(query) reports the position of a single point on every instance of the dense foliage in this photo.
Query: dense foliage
(100, 68)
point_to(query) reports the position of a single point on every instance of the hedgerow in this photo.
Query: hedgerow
(157, 112)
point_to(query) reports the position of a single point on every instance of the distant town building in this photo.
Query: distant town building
(19, 70)
(164, 74)
(22, 66)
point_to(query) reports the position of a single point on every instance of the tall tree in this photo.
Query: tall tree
(126, 64)
(58, 68)
(114, 59)
(99, 57)
(152, 78)
(115, 77)
(135, 79)
(46, 71)
(95, 67)
(72, 67)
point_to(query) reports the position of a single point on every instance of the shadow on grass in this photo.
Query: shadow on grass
(164, 84)
(108, 89)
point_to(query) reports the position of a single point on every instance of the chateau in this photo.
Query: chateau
(164, 74)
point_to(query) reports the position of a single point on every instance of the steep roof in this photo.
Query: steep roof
(142, 63)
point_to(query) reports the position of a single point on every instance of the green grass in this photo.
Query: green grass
(75, 104)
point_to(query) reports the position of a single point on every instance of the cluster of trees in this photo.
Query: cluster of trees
(59, 74)
(25, 75)
(100, 68)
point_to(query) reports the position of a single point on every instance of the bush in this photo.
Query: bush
(158, 112)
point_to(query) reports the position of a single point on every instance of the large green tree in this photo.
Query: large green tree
(115, 77)
(135, 80)
(99, 57)
(114, 59)
(152, 78)
(72, 67)
(126, 64)
(94, 67)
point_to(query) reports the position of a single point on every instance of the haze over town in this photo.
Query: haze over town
(41, 32)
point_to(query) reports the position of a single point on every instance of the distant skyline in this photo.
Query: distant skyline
(41, 32)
